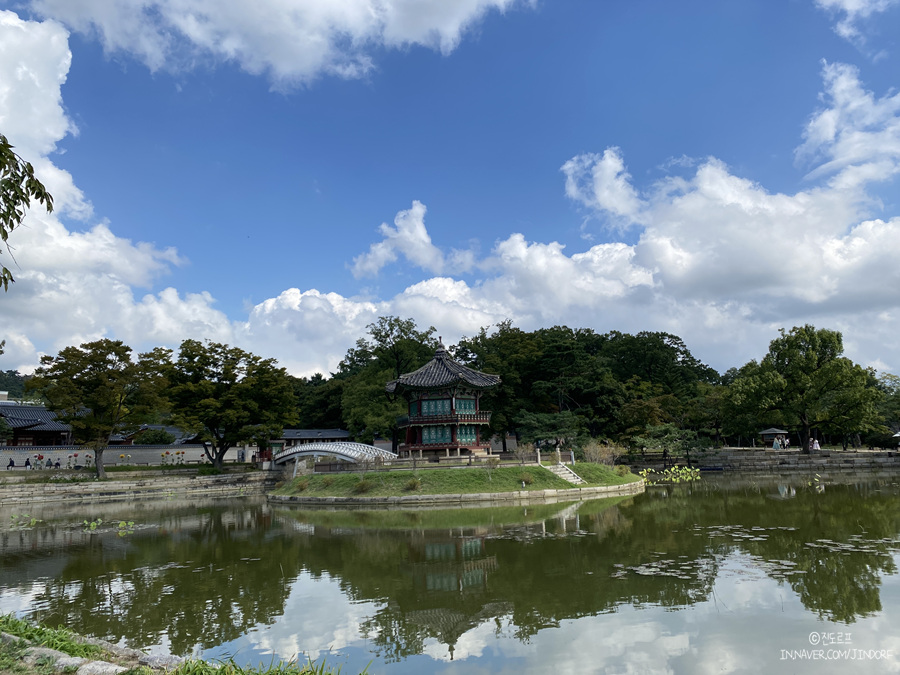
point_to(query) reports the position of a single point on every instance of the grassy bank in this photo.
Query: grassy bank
(440, 519)
(16, 660)
(445, 481)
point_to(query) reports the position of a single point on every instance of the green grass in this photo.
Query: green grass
(600, 474)
(444, 481)
(60, 639)
(63, 640)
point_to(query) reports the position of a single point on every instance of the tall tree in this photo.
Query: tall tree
(99, 390)
(229, 396)
(807, 382)
(18, 186)
(394, 346)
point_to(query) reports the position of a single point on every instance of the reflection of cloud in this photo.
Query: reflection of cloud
(318, 619)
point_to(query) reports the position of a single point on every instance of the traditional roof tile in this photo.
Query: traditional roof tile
(36, 418)
(442, 371)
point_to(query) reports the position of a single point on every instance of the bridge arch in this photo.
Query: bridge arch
(350, 452)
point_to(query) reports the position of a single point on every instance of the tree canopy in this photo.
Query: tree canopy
(99, 390)
(18, 187)
(228, 396)
(804, 382)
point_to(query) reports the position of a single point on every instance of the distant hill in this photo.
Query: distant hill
(12, 382)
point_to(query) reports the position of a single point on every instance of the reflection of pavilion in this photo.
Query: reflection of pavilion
(457, 565)
(455, 569)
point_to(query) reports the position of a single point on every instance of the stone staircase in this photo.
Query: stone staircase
(565, 473)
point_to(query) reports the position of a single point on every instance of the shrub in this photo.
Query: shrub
(526, 478)
(328, 481)
(301, 484)
(363, 486)
(622, 470)
(599, 452)
(208, 470)
(413, 485)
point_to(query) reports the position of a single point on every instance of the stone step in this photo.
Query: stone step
(565, 473)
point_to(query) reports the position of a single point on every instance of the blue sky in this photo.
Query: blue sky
(278, 175)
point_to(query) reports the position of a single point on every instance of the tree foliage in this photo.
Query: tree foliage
(99, 390)
(394, 346)
(228, 396)
(804, 382)
(18, 187)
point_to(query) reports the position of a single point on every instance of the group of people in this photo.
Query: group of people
(783, 442)
(50, 464)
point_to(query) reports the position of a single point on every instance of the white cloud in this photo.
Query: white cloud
(852, 12)
(409, 237)
(291, 41)
(603, 183)
(855, 130)
(73, 286)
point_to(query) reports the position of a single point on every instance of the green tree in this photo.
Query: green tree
(99, 390)
(804, 382)
(18, 186)
(319, 402)
(395, 346)
(229, 396)
(560, 430)
(155, 437)
(514, 355)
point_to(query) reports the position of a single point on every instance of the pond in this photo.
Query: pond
(715, 576)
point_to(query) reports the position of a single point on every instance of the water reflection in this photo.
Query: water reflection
(246, 578)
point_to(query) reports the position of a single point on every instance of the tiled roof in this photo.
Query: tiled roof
(308, 434)
(34, 417)
(442, 371)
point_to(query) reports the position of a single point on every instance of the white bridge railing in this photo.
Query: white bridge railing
(352, 452)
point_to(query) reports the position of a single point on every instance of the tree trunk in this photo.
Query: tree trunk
(98, 463)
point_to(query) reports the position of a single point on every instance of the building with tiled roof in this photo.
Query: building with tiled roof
(34, 425)
(444, 408)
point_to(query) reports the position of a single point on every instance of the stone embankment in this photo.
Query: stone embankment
(761, 462)
(135, 486)
(479, 499)
(117, 660)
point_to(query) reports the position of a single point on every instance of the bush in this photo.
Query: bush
(526, 478)
(155, 437)
(328, 481)
(208, 470)
(413, 485)
(301, 484)
(363, 486)
(622, 470)
(598, 452)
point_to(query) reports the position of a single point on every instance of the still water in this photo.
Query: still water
(715, 576)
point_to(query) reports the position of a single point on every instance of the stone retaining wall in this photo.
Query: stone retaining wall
(480, 499)
(768, 462)
(136, 486)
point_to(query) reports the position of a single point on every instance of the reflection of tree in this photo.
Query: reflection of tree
(201, 579)
(208, 576)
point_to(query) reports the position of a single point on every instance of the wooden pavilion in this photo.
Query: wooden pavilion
(444, 409)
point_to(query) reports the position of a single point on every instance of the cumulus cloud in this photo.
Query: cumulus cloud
(291, 41)
(75, 285)
(603, 183)
(409, 238)
(851, 13)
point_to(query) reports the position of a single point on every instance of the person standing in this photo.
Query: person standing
(816, 447)
(11, 465)
(28, 462)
